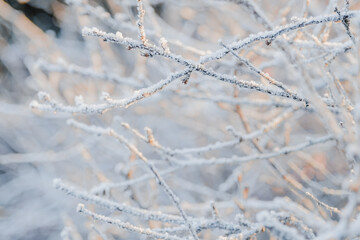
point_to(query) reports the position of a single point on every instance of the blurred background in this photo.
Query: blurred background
(42, 49)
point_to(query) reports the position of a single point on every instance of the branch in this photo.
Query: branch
(277, 32)
(144, 231)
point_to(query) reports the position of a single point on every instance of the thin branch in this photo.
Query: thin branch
(236, 160)
(199, 223)
(258, 71)
(140, 22)
(144, 231)
(51, 105)
(151, 166)
(277, 32)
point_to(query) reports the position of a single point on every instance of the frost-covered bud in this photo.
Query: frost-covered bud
(79, 100)
(43, 96)
(80, 207)
(104, 96)
(164, 44)
(119, 36)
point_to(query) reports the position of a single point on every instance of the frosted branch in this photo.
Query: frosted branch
(240, 137)
(140, 22)
(51, 105)
(277, 32)
(235, 159)
(132, 148)
(199, 223)
(62, 67)
(144, 231)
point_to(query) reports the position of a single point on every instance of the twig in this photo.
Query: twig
(235, 159)
(275, 33)
(150, 165)
(144, 231)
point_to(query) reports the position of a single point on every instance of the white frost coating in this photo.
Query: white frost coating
(239, 137)
(145, 92)
(151, 166)
(275, 33)
(285, 204)
(278, 229)
(52, 105)
(79, 100)
(144, 231)
(164, 44)
(236, 159)
(141, 213)
(119, 35)
(62, 67)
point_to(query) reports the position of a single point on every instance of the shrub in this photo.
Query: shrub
(180, 119)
